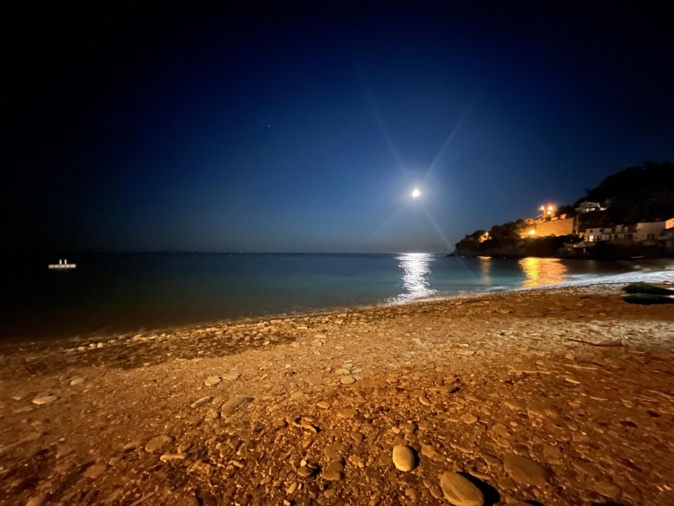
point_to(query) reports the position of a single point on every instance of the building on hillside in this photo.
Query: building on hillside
(589, 207)
(547, 224)
(648, 233)
(667, 239)
(556, 227)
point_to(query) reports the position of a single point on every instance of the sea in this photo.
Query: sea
(118, 293)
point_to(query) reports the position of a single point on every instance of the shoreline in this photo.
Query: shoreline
(659, 272)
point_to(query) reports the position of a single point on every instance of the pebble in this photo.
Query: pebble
(305, 472)
(173, 456)
(212, 380)
(158, 442)
(347, 413)
(95, 470)
(428, 451)
(200, 402)
(586, 468)
(76, 381)
(607, 489)
(190, 500)
(233, 405)
(334, 451)
(469, 418)
(232, 376)
(37, 500)
(404, 458)
(44, 399)
(347, 380)
(411, 493)
(333, 471)
(524, 470)
(542, 409)
(424, 400)
(323, 404)
(515, 405)
(460, 491)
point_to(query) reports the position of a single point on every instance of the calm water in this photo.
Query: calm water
(124, 292)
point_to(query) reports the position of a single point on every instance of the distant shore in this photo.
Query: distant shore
(555, 396)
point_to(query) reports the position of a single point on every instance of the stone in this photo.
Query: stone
(411, 493)
(172, 456)
(469, 418)
(333, 471)
(542, 409)
(232, 376)
(76, 381)
(424, 400)
(460, 491)
(347, 380)
(189, 500)
(212, 380)
(334, 451)
(347, 413)
(323, 404)
(305, 472)
(514, 404)
(38, 500)
(428, 451)
(586, 468)
(356, 460)
(95, 470)
(524, 470)
(404, 458)
(233, 405)
(200, 402)
(157, 443)
(607, 489)
(44, 399)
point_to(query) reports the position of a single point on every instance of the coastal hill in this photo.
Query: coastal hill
(636, 195)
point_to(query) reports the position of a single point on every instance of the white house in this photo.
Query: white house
(648, 232)
(588, 207)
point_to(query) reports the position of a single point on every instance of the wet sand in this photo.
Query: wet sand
(557, 396)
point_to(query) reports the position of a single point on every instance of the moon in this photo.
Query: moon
(416, 193)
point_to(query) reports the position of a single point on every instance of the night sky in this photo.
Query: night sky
(304, 128)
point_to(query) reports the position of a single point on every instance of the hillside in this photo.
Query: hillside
(633, 195)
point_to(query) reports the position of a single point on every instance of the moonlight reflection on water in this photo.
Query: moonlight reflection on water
(416, 268)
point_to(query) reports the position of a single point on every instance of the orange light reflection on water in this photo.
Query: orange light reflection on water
(485, 267)
(542, 271)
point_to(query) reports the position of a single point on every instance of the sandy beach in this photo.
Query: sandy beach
(561, 396)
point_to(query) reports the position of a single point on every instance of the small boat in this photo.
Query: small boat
(648, 298)
(63, 264)
(648, 288)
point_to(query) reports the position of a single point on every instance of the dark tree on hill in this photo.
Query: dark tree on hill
(637, 194)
